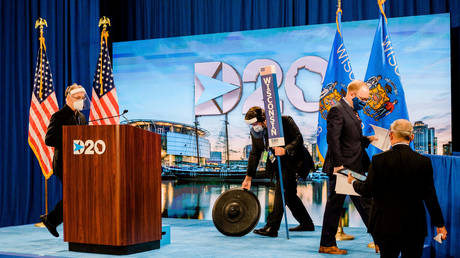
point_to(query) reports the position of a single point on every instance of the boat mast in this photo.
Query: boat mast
(226, 139)
(196, 136)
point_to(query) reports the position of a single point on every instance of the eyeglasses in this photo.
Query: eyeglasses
(79, 98)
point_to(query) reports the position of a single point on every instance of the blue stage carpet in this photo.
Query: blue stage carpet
(189, 238)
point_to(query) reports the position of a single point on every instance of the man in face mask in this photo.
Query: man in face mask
(346, 149)
(294, 159)
(68, 115)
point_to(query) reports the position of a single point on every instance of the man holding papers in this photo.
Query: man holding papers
(400, 181)
(346, 145)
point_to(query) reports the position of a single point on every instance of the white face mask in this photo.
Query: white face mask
(78, 105)
(258, 128)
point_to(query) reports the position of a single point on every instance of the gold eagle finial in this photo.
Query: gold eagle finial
(40, 22)
(104, 21)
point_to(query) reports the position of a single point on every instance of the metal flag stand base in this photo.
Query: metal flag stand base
(282, 195)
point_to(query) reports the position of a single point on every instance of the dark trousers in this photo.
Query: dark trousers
(407, 246)
(292, 201)
(333, 211)
(56, 216)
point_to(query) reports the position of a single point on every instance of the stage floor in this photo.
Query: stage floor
(189, 238)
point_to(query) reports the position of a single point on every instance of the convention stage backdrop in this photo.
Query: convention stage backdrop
(213, 79)
(176, 79)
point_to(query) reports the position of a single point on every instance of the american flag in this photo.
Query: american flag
(42, 106)
(104, 101)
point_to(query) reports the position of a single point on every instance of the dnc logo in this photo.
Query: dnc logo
(89, 147)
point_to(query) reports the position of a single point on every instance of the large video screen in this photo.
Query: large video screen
(160, 78)
(212, 80)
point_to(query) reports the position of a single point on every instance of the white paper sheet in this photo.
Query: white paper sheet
(438, 238)
(343, 187)
(383, 135)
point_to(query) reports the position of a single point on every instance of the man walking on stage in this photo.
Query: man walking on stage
(295, 158)
(400, 181)
(68, 115)
(346, 149)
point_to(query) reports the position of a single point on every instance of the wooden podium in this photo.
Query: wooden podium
(111, 189)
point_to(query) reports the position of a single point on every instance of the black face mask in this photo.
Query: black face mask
(260, 134)
(358, 104)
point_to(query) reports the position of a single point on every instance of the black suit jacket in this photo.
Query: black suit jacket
(345, 141)
(296, 160)
(65, 116)
(400, 181)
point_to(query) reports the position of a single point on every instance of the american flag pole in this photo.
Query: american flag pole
(43, 105)
(104, 100)
(42, 45)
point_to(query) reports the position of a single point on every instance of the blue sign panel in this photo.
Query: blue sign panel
(271, 104)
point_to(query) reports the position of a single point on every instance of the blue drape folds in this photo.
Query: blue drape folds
(72, 48)
(72, 41)
(446, 173)
(145, 19)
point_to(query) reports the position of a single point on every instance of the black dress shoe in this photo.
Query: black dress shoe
(266, 231)
(51, 228)
(303, 228)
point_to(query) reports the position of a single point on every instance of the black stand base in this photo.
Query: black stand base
(111, 249)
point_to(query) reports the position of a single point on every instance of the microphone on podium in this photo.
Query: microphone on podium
(122, 114)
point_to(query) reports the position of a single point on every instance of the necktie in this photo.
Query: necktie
(357, 115)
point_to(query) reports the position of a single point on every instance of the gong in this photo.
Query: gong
(236, 212)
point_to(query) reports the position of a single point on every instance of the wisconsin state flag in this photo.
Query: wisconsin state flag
(387, 101)
(338, 75)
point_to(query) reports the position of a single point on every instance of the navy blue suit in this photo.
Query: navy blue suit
(346, 147)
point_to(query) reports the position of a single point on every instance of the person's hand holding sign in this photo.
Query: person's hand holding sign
(279, 151)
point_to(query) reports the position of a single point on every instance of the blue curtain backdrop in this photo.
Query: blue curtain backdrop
(72, 41)
(72, 46)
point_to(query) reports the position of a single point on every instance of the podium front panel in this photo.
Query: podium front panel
(112, 185)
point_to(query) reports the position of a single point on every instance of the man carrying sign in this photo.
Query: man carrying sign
(294, 159)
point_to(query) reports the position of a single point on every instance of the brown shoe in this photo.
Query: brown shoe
(331, 250)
